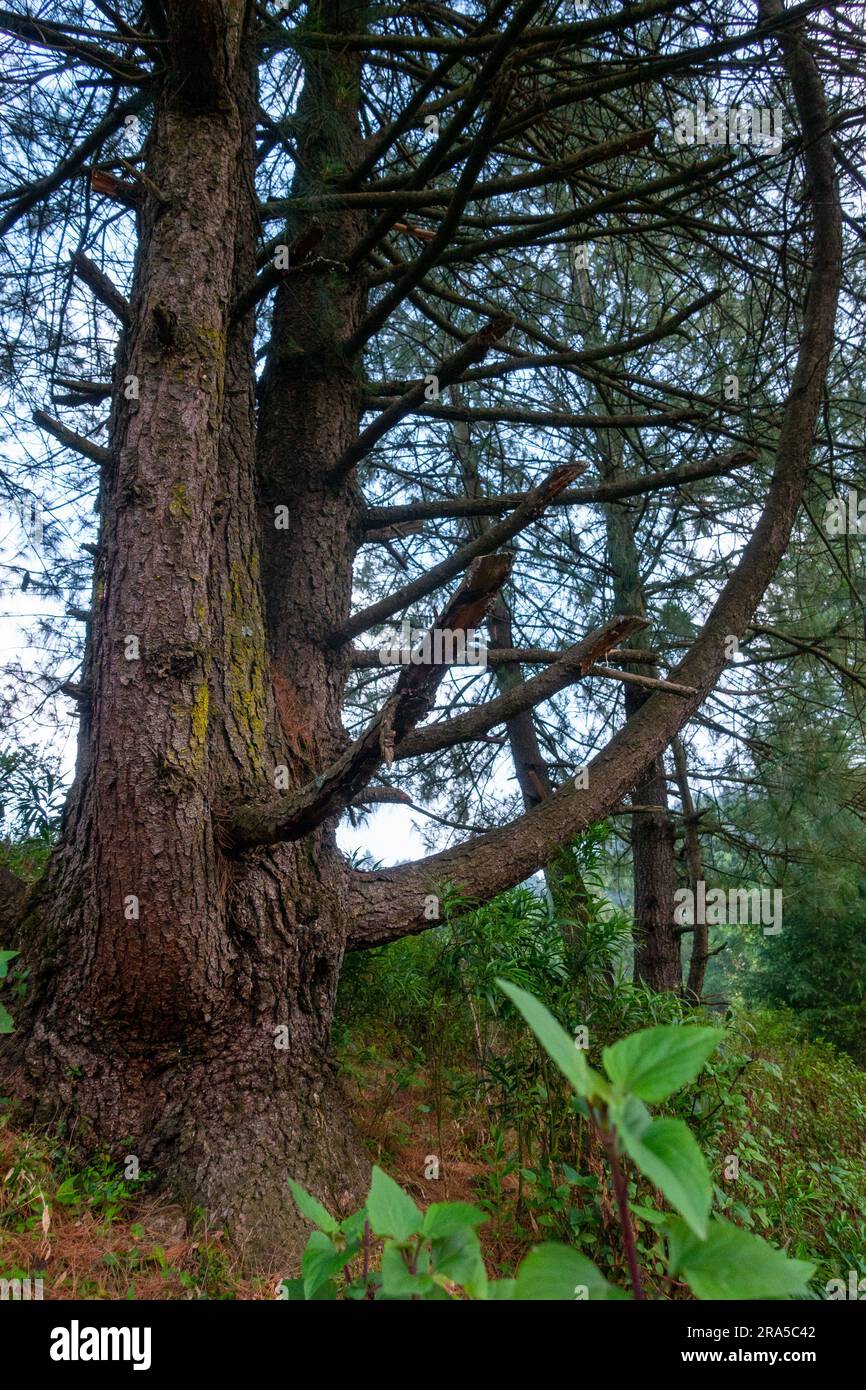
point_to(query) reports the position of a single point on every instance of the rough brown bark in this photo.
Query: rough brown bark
(181, 1000)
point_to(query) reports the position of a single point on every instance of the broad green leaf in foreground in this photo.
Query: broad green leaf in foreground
(390, 1210)
(732, 1263)
(554, 1271)
(668, 1154)
(457, 1258)
(397, 1279)
(655, 1062)
(320, 1260)
(444, 1218)
(312, 1209)
(556, 1043)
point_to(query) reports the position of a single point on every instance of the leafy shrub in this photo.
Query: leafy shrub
(437, 1254)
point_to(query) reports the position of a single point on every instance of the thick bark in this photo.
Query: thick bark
(181, 1000)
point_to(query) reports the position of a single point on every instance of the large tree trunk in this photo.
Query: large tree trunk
(182, 999)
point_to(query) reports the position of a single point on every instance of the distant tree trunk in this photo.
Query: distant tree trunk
(657, 946)
(530, 765)
(694, 860)
(657, 943)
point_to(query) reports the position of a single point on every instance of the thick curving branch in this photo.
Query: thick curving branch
(391, 903)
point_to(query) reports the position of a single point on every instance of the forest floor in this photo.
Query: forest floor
(86, 1237)
(798, 1115)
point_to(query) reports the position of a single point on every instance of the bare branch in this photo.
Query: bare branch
(447, 372)
(105, 291)
(55, 37)
(28, 197)
(365, 658)
(573, 664)
(649, 682)
(634, 486)
(71, 440)
(529, 510)
(374, 796)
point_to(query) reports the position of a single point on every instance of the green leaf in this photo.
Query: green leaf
(352, 1226)
(444, 1218)
(732, 1263)
(627, 1113)
(320, 1260)
(556, 1043)
(457, 1259)
(649, 1214)
(668, 1154)
(655, 1062)
(7, 1023)
(67, 1193)
(312, 1209)
(498, 1289)
(294, 1291)
(398, 1281)
(557, 1272)
(5, 957)
(390, 1210)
